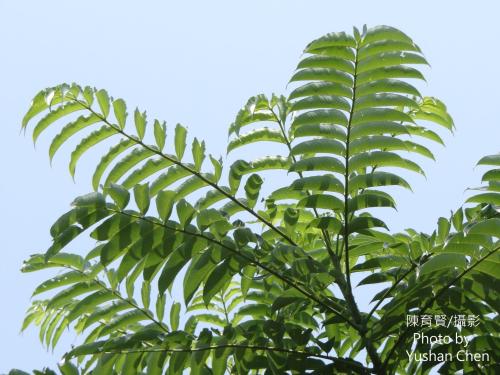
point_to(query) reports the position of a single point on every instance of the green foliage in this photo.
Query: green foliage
(206, 270)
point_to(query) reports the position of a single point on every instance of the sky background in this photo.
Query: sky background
(197, 62)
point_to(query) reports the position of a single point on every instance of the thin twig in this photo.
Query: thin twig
(431, 301)
(192, 171)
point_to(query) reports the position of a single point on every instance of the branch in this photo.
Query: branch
(346, 175)
(190, 170)
(431, 301)
(134, 305)
(389, 291)
(250, 260)
(326, 235)
(120, 297)
(349, 362)
(347, 290)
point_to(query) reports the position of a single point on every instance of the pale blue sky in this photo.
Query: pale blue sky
(197, 62)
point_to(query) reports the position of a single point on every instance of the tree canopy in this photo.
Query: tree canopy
(194, 266)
